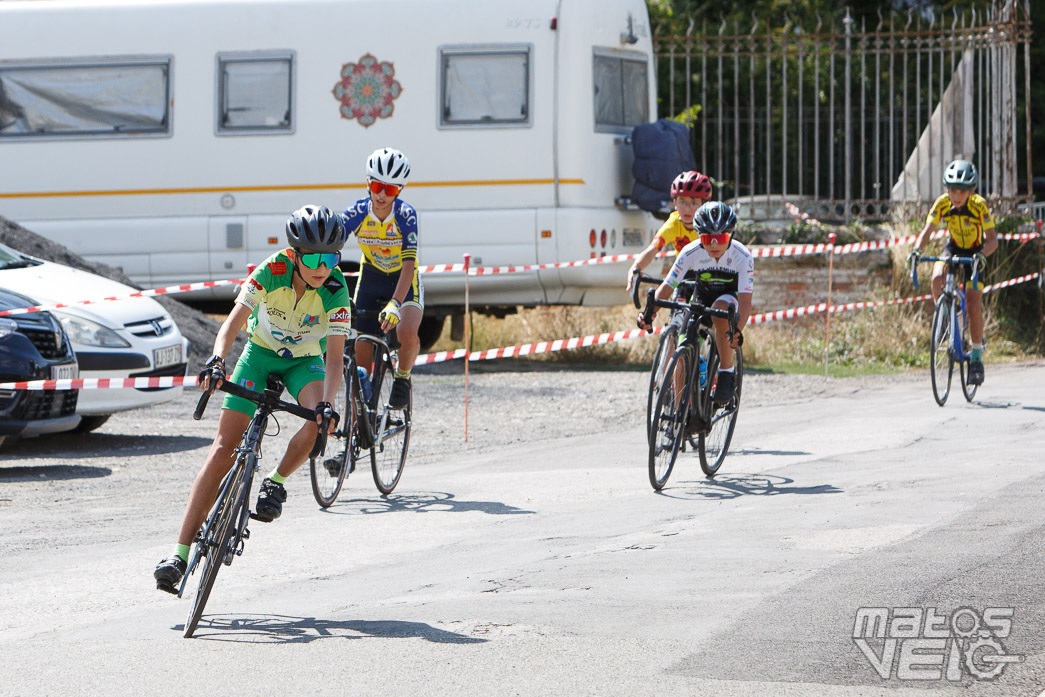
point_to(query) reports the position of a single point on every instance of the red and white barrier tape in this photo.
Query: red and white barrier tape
(169, 290)
(799, 216)
(758, 252)
(506, 352)
(101, 383)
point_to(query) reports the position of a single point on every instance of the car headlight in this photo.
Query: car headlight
(84, 331)
(7, 327)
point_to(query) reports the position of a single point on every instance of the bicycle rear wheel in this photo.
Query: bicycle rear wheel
(392, 434)
(669, 417)
(720, 420)
(963, 367)
(665, 348)
(329, 471)
(941, 356)
(213, 540)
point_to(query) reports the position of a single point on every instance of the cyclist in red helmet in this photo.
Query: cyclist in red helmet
(689, 191)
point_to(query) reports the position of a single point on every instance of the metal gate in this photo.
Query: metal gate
(852, 123)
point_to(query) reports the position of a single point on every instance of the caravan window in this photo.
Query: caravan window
(621, 90)
(485, 86)
(85, 98)
(255, 93)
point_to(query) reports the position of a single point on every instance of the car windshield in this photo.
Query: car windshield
(10, 259)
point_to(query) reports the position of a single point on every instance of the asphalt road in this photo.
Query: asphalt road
(547, 566)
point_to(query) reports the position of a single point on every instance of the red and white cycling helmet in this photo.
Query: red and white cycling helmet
(691, 184)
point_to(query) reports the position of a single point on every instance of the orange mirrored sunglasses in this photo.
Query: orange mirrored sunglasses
(389, 189)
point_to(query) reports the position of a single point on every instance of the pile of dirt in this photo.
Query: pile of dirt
(197, 327)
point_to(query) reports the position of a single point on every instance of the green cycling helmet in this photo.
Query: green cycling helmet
(961, 174)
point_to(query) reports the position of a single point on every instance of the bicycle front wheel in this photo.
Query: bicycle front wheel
(329, 471)
(669, 417)
(665, 347)
(720, 420)
(941, 355)
(213, 543)
(392, 435)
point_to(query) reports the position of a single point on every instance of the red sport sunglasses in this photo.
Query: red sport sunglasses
(390, 189)
(721, 238)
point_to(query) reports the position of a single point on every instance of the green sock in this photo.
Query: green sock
(277, 477)
(975, 356)
(182, 552)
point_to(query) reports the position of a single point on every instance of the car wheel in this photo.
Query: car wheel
(91, 423)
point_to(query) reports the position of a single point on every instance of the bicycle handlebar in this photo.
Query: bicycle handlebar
(969, 261)
(639, 279)
(276, 404)
(695, 307)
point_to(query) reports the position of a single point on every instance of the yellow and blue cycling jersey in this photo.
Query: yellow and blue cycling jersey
(386, 244)
(673, 232)
(289, 327)
(967, 225)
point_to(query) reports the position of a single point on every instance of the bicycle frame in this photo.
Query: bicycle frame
(954, 294)
(694, 334)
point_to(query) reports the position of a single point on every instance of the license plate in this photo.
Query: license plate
(69, 371)
(168, 355)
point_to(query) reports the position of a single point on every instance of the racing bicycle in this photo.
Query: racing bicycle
(369, 426)
(221, 537)
(684, 407)
(949, 340)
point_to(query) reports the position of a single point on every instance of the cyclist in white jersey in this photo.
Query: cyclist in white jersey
(724, 272)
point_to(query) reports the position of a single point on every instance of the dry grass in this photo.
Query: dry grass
(869, 340)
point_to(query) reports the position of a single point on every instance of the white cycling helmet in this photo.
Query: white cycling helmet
(388, 166)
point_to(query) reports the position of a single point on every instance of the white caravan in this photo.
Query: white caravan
(173, 138)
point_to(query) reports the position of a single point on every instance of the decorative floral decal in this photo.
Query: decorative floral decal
(367, 90)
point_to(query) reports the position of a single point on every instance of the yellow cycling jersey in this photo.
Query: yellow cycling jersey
(673, 232)
(967, 224)
(386, 244)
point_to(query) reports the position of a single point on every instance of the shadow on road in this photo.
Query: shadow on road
(51, 472)
(422, 502)
(283, 629)
(731, 486)
(96, 444)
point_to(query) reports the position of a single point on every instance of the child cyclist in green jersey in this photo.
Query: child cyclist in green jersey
(296, 307)
(389, 285)
(972, 233)
(689, 191)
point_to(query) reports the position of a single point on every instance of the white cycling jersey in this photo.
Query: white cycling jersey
(730, 274)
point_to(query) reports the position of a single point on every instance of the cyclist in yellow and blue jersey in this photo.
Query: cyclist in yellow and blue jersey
(296, 307)
(689, 191)
(389, 280)
(971, 232)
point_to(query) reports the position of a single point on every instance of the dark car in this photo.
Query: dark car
(34, 346)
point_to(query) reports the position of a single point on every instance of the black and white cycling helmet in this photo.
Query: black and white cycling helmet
(961, 174)
(388, 166)
(714, 218)
(316, 228)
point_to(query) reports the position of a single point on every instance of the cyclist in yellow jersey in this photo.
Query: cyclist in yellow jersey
(689, 191)
(971, 229)
(296, 307)
(387, 228)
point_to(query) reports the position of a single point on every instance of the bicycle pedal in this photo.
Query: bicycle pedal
(166, 587)
(246, 534)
